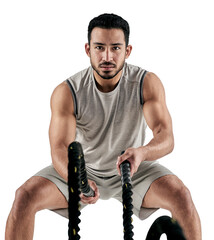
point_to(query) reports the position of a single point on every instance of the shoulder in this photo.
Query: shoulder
(131, 67)
(81, 79)
(152, 87)
(61, 99)
(132, 72)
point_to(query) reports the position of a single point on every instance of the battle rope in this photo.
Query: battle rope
(77, 180)
(127, 200)
(161, 225)
(167, 225)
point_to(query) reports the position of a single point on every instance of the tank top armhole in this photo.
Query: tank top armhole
(141, 87)
(73, 96)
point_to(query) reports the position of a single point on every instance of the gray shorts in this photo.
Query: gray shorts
(110, 187)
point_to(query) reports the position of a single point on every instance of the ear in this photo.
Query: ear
(128, 50)
(87, 49)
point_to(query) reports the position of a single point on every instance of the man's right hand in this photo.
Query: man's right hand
(91, 200)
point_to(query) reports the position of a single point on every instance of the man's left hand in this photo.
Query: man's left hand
(134, 155)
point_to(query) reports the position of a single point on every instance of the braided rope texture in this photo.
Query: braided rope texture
(74, 191)
(127, 200)
(77, 180)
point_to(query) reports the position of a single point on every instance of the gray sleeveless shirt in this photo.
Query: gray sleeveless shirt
(108, 123)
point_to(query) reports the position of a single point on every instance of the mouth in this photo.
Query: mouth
(107, 67)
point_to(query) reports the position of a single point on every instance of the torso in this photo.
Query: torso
(108, 123)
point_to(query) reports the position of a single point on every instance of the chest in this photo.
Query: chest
(98, 110)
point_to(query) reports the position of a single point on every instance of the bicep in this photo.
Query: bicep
(62, 128)
(155, 109)
(157, 116)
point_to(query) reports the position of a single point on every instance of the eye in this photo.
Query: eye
(99, 47)
(116, 48)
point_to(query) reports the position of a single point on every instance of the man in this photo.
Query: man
(106, 108)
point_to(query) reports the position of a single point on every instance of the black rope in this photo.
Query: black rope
(167, 225)
(162, 225)
(77, 180)
(127, 200)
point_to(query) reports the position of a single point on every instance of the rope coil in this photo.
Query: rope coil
(167, 225)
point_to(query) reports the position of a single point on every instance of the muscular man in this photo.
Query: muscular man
(106, 107)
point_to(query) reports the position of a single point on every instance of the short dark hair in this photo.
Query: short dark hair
(109, 21)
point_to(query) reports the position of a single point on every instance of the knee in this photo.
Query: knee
(23, 202)
(182, 201)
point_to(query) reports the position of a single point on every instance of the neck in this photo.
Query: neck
(107, 85)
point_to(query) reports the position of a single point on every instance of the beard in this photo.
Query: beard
(107, 74)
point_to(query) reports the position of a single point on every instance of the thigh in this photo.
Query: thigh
(41, 193)
(164, 192)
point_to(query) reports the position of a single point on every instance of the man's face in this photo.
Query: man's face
(107, 51)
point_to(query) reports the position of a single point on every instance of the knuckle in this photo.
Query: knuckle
(129, 150)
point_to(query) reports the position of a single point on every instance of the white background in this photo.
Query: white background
(42, 43)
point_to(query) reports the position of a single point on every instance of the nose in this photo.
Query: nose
(107, 55)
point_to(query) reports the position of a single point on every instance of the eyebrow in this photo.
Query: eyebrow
(103, 44)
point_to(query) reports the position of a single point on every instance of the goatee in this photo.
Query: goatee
(107, 64)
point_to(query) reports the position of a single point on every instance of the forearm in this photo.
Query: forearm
(60, 161)
(161, 144)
